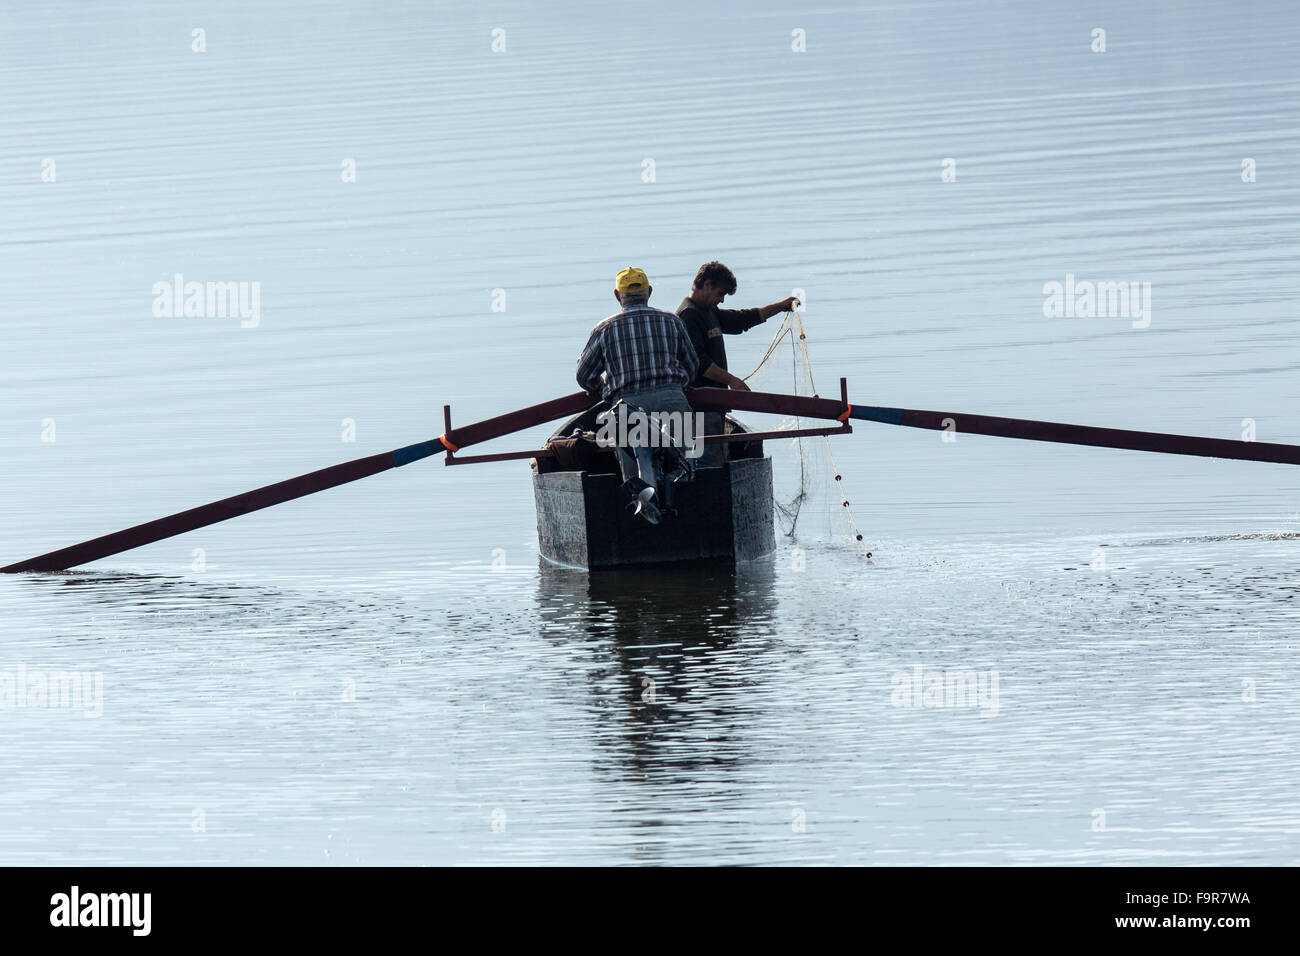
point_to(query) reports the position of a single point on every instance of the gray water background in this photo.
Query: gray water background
(386, 673)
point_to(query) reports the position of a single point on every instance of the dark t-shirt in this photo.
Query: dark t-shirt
(706, 328)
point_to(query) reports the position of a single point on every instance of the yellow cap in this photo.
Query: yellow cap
(632, 279)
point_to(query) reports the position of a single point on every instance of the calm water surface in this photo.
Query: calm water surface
(386, 672)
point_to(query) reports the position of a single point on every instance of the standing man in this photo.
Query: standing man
(707, 324)
(644, 357)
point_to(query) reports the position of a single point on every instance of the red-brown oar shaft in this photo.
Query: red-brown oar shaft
(1024, 428)
(724, 399)
(280, 492)
(524, 418)
(1082, 434)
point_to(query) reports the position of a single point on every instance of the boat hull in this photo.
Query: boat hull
(725, 515)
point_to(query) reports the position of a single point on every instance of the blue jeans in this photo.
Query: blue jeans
(639, 463)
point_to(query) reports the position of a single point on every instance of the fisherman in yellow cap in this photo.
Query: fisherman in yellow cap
(642, 357)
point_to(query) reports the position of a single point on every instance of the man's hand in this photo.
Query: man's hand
(737, 383)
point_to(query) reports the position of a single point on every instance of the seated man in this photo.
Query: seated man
(641, 356)
(707, 324)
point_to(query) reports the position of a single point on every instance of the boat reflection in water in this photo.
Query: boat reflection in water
(672, 657)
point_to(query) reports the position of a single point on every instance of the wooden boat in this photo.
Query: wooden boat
(724, 515)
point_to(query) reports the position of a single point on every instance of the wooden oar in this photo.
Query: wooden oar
(721, 398)
(265, 497)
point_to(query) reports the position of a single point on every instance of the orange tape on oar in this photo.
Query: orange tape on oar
(844, 416)
(446, 443)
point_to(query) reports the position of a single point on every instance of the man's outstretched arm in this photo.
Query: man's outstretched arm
(785, 305)
(735, 321)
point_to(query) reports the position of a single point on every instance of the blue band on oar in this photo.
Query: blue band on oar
(404, 456)
(870, 413)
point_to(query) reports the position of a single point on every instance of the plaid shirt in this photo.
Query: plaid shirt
(638, 349)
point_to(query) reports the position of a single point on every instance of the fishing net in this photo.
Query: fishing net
(811, 499)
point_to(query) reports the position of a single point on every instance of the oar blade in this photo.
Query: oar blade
(1032, 430)
(204, 515)
(308, 484)
(1022, 428)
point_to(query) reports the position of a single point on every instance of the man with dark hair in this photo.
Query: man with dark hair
(641, 357)
(707, 324)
